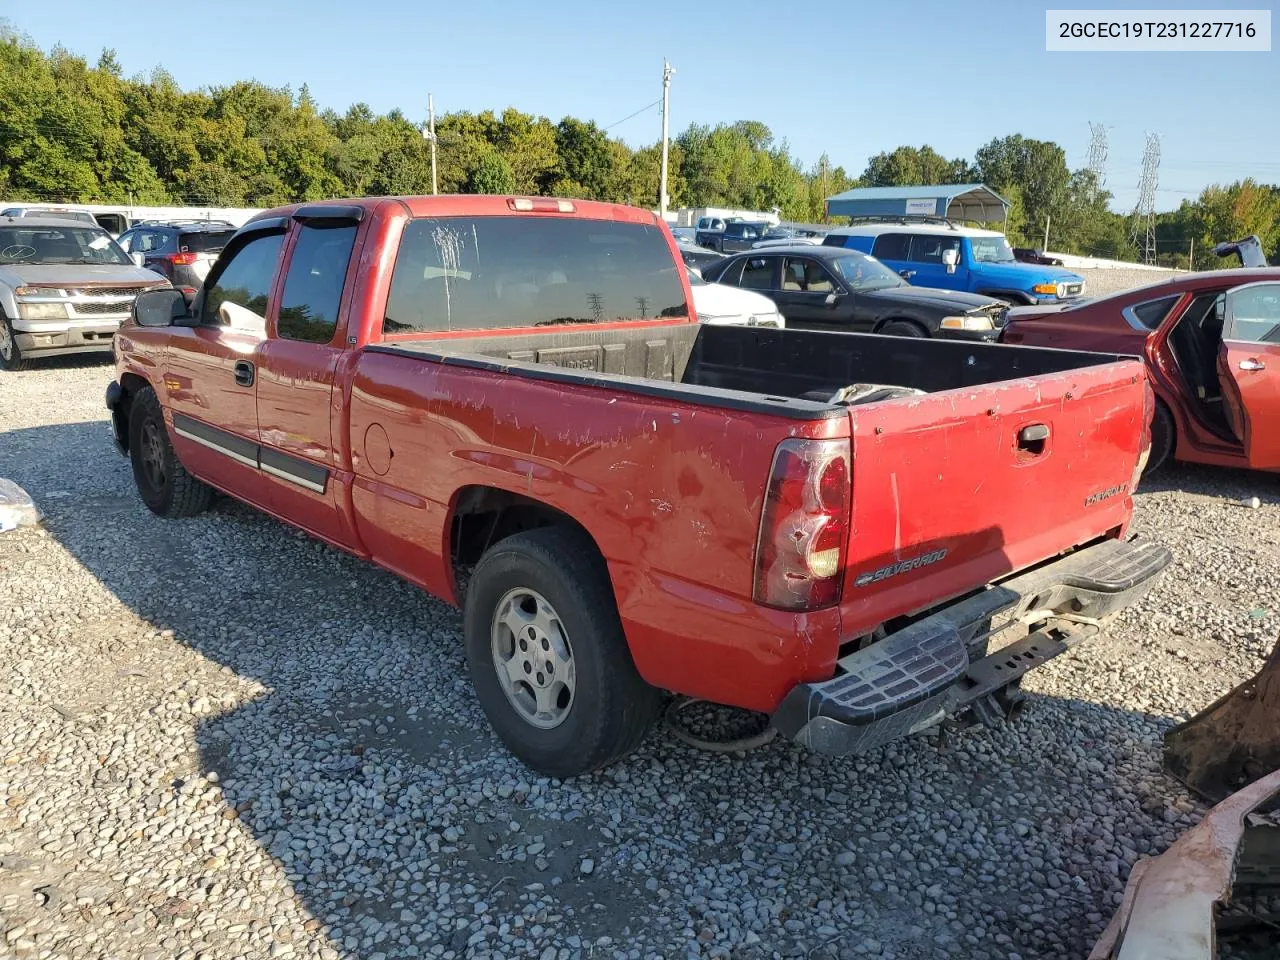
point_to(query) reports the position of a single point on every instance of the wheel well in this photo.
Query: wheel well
(130, 384)
(482, 516)
(888, 320)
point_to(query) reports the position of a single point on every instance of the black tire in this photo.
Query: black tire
(11, 357)
(612, 708)
(1163, 438)
(163, 482)
(903, 328)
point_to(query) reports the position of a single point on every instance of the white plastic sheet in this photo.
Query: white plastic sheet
(17, 509)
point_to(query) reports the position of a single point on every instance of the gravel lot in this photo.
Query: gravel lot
(221, 739)
(1099, 282)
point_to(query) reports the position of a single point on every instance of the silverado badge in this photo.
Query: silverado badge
(902, 566)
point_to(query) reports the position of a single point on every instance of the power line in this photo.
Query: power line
(647, 106)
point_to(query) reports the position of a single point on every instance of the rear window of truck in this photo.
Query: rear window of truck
(492, 273)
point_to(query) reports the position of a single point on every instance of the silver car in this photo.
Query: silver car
(65, 286)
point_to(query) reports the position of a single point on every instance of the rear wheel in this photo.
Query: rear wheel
(902, 328)
(163, 482)
(11, 357)
(548, 658)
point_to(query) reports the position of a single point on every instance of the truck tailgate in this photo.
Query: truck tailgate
(952, 489)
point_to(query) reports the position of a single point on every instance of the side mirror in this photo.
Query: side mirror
(951, 257)
(832, 299)
(139, 259)
(159, 308)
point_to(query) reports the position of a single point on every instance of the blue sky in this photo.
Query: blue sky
(851, 78)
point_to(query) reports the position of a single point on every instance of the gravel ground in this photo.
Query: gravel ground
(1099, 282)
(219, 738)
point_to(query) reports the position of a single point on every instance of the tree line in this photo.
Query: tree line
(73, 132)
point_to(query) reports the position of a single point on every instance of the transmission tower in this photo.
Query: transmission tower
(1098, 154)
(1144, 214)
(596, 300)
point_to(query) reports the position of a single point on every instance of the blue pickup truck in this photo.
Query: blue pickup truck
(953, 257)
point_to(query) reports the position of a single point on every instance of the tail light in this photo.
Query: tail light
(1144, 445)
(800, 554)
(181, 259)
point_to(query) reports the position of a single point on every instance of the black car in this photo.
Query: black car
(834, 288)
(182, 250)
(1029, 255)
(736, 235)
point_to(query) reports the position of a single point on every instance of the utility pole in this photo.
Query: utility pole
(667, 71)
(430, 134)
(824, 188)
(1045, 248)
(1191, 257)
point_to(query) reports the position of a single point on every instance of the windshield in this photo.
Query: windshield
(863, 273)
(992, 250)
(69, 244)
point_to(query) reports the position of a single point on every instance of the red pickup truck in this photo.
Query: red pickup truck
(510, 402)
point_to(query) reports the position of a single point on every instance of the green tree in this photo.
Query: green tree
(1038, 168)
(586, 165)
(493, 175)
(911, 166)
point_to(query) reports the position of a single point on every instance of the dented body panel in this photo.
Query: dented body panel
(656, 436)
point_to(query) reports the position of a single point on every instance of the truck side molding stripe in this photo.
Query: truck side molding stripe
(267, 459)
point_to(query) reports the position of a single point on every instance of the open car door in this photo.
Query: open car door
(1249, 368)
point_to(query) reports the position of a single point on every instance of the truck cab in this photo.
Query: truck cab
(953, 257)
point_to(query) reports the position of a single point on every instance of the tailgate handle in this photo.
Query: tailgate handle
(1032, 439)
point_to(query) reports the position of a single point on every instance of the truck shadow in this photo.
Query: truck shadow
(355, 756)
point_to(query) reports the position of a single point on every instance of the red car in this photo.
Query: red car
(1211, 342)
(509, 402)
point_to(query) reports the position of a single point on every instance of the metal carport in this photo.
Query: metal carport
(957, 201)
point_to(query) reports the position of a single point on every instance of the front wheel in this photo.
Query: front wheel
(11, 357)
(901, 328)
(548, 658)
(163, 482)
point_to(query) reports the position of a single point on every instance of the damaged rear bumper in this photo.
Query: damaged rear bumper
(923, 674)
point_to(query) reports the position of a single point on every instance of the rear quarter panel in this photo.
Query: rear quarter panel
(670, 492)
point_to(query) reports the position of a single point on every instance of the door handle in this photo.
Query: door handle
(906, 274)
(1252, 364)
(1032, 440)
(244, 373)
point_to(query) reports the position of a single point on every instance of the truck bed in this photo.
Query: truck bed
(761, 369)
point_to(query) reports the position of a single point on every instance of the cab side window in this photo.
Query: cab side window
(757, 274)
(891, 246)
(240, 292)
(313, 286)
(929, 247)
(806, 276)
